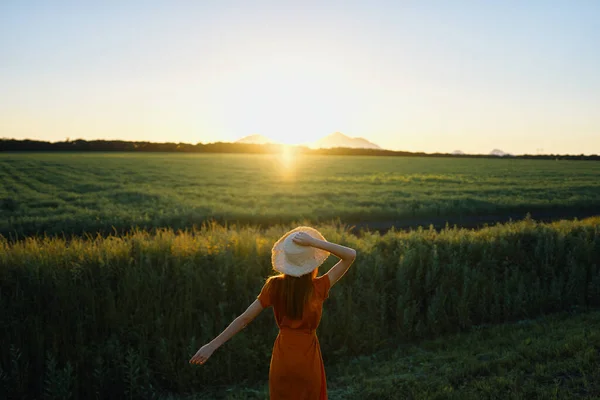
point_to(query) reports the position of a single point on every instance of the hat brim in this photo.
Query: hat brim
(281, 264)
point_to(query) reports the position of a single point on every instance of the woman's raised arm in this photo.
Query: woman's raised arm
(345, 254)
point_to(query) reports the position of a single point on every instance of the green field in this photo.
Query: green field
(91, 192)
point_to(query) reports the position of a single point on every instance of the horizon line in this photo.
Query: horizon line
(505, 154)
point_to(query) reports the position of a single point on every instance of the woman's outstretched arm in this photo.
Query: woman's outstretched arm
(237, 325)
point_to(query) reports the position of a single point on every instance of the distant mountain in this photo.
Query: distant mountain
(255, 139)
(458, 153)
(499, 153)
(338, 139)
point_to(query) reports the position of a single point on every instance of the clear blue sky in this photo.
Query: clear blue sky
(410, 75)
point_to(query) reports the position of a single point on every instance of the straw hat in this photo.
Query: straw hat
(291, 259)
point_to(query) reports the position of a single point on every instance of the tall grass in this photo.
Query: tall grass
(119, 317)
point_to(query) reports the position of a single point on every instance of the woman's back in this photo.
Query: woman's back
(312, 309)
(297, 370)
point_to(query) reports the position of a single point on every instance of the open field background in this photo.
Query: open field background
(73, 193)
(120, 316)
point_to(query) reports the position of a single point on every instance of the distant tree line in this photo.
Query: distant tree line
(224, 147)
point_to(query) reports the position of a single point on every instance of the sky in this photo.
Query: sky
(434, 76)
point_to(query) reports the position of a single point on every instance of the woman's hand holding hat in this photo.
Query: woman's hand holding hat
(298, 251)
(303, 239)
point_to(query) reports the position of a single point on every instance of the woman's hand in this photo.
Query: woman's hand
(202, 355)
(303, 239)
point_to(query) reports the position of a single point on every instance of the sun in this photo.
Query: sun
(285, 139)
(288, 98)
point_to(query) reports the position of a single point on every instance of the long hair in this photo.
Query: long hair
(292, 293)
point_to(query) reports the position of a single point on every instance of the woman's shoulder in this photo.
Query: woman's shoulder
(266, 292)
(322, 285)
(273, 279)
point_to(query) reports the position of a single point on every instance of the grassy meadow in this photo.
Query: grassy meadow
(120, 316)
(73, 193)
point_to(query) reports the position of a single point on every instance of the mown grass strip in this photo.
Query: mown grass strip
(554, 357)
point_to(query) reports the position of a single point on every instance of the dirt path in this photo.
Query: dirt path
(467, 221)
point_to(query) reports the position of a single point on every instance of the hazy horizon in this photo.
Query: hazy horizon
(416, 76)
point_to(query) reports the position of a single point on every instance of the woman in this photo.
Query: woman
(297, 296)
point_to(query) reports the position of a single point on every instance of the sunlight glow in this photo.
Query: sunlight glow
(287, 98)
(288, 155)
(286, 162)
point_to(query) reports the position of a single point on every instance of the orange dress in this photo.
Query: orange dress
(297, 370)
